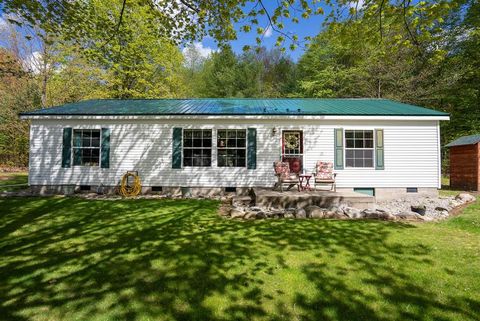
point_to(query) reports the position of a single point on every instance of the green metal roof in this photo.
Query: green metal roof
(465, 140)
(233, 106)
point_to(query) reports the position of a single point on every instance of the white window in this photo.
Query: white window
(359, 148)
(197, 147)
(231, 147)
(86, 147)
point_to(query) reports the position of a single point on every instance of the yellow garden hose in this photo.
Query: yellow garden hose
(134, 189)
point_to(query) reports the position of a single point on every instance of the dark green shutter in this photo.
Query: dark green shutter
(177, 148)
(338, 148)
(105, 152)
(379, 153)
(67, 148)
(252, 149)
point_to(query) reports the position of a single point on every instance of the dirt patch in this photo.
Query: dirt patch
(459, 209)
(8, 169)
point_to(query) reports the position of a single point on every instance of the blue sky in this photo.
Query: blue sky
(306, 27)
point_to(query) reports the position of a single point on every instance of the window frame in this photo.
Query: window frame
(90, 147)
(192, 147)
(345, 148)
(231, 148)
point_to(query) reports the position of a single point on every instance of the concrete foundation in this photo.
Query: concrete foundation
(390, 193)
(381, 194)
(110, 190)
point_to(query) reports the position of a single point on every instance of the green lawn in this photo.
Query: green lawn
(13, 179)
(74, 259)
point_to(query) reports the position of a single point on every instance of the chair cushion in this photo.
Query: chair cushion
(283, 170)
(324, 171)
(291, 177)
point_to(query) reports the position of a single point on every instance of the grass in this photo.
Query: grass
(13, 179)
(74, 259)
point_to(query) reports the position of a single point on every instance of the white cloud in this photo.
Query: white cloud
(353, 4)
(33, 62)
(203, 51)
(268, 32)
(3, 23)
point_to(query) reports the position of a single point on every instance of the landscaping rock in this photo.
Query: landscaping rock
(409, 216)
(334, 215)
(314, 211)
(273, 213)
(335, 209)
(420, 209)
(290, 210)
(300, 213)
(465, 197)
(443, 214)
(441, 209)
(250, 215)
(431, 208)
(260, 215)
(352, 212)
(289, 215)
(377, 215)
(236, 213)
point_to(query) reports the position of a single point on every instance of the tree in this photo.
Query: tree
(352, 58)
(189, 20)
(219, 75)
(75, 77)
(140, 64)
(459, 78)
(33, 47)
(19, 93)
(255, 73)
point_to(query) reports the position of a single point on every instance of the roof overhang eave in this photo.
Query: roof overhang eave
(27, 116)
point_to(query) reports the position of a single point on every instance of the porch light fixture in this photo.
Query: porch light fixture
(274, 130)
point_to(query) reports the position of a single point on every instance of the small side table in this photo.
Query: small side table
(304, 180)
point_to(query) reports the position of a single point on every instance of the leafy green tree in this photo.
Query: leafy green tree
(279, 73)
(188, 20)
(459, 78)
(75, 78)
(19, 93)
(219, 75)
(140, 64)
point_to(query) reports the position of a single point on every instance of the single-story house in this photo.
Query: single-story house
(378, 146)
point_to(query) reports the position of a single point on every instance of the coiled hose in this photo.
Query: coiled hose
(134, 189)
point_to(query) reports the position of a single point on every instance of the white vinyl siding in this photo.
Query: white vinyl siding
(411, 153)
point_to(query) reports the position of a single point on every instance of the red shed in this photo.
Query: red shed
(465, 163)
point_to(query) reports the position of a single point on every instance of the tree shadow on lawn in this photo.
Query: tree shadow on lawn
(177, 260)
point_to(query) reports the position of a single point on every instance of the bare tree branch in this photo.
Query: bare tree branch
(189, 6)
(406, 4)
(380, 12)
(272, 25)
(117, 27)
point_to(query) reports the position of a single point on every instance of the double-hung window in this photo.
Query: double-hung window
(86, 147)
(197, 147)
(231, 147)
(359, 148)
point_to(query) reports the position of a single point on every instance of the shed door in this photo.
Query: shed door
(292, 149)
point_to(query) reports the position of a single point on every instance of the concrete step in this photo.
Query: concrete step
(242, 200)
(325, 199)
